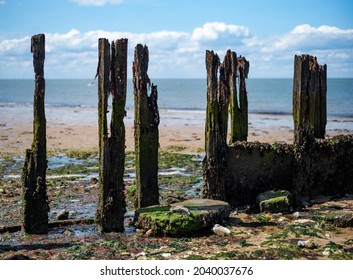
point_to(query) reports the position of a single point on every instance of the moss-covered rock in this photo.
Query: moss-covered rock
(163, 221)
(275, 201)
(340, 218)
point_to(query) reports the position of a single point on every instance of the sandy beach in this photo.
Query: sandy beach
(76, 128)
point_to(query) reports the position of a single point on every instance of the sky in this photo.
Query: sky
(268, 33)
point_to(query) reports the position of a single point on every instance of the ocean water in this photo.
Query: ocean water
(272, 96)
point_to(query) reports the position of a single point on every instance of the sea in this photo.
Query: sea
(265, 96)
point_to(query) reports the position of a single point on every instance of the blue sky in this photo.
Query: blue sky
(268, 33)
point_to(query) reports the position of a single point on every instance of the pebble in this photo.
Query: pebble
(166, 255)
(296, 215)
(220, 231)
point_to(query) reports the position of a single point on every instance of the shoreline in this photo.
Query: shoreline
(77, 128)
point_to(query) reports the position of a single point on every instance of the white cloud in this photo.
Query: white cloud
(181, 54)
(97, 2)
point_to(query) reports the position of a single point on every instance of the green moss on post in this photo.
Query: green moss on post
(215, 162)
(35, 207)
(238, 108)
(146, 132)
(112, 76)
(309, 100)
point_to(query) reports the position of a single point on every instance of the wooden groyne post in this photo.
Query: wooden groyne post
(309, 99)
(222, 100)
(35, 207)
(112, 77)
(146, 132)
(238, 108)
(215, 161)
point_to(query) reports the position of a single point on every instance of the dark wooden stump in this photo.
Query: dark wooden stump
(112, 76)
(146, 132)
(309, 100)
(35, 207)
(215, 161)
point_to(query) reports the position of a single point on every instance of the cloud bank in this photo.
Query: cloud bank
(181, 54)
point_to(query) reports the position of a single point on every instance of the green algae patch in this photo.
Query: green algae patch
(199, 217)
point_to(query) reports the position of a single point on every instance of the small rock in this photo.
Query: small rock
(93, 181)
(306, 222)
(62, 215)
(220, 231)
(166, 255)
(180, 210)
(68, 232)
(307, 244)
(150, 232)
(340, 218)
(296, 215)
(275, 201)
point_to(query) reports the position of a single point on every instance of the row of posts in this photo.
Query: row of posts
(112, 81)
(309, 111)
(226, 95)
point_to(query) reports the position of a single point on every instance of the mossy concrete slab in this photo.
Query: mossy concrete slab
(203, 214)
(275, 201)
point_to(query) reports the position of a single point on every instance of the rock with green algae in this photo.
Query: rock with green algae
(340, 218)
(202, 216)
(275, 201)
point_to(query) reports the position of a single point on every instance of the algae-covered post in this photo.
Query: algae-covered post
(112, 75)
(146, 132)
(35, 207)
(238, 108)
(215, 162)
(309, 99)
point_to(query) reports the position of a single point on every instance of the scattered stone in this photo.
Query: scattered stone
(62, 215)
(68, 232)
(296, 215)
(220, 231)
(166, 255)
(182, 218)
(306, 222)
(93, 181)
(307, 244)
(275, 201)
(340, 218)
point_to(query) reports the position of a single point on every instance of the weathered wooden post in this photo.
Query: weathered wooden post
(112, 76)
(215, 161)
(238, 108)
(35, 207)
(146, 132)
(309, 99)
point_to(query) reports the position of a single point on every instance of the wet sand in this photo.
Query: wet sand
(76, 128)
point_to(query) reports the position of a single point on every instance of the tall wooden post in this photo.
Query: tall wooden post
(309, 99)
(112, 76)
(35, 207)
(146, 132)
(238, 108)
(215, 161)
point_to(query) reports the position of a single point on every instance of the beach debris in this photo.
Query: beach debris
(275, 201)
(220, 230)
(112, 77)
(62, 215)
(35, 205)
(146, 132)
